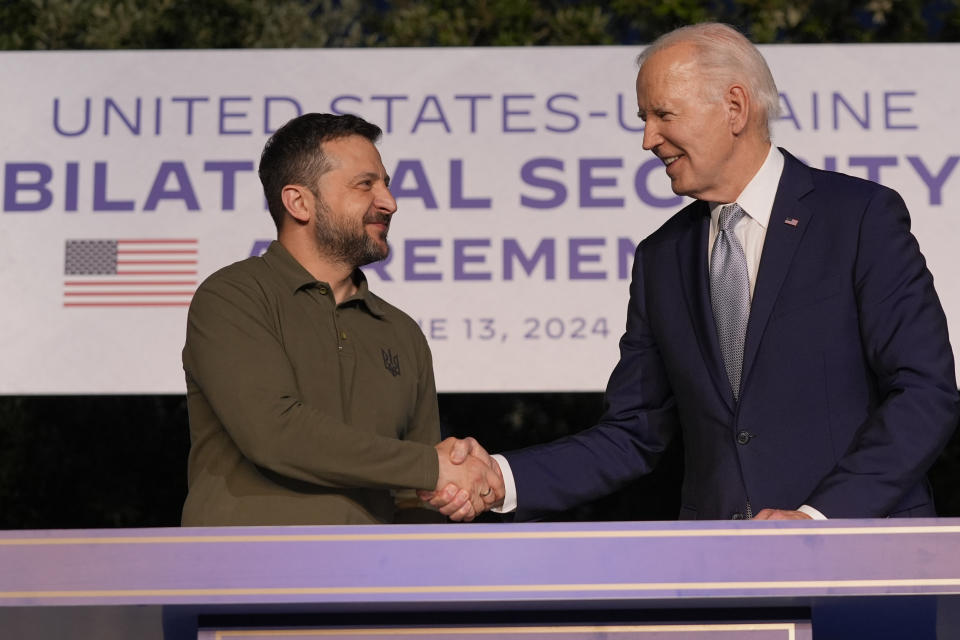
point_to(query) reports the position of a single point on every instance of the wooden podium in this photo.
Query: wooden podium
(759, 580)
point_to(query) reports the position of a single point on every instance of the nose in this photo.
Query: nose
(384, 201)
(651, 137)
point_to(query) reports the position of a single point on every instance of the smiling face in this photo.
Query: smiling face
(689, 125)
(354, 204)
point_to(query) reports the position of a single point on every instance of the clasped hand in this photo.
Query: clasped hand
(469, 483)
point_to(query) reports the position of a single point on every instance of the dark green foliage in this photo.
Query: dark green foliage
(194, 24)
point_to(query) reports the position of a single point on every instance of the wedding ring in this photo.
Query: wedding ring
(487, 492)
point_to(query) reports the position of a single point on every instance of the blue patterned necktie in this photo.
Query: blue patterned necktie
(730, 294)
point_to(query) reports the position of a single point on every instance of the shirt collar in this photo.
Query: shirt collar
(757, 197)
(296, 278)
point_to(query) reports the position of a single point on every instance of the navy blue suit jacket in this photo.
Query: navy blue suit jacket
(848, 391)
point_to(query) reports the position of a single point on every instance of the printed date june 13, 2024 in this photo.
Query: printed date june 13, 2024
(501, 330)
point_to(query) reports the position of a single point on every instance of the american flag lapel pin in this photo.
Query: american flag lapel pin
(791, 221)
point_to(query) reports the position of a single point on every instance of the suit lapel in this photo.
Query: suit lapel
(789, 220)
(692, 257)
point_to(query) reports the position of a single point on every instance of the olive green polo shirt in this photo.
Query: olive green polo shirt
(303, 411)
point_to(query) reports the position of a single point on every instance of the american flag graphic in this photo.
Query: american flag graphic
(145, 272)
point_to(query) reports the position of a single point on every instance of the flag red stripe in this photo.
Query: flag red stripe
(159, 241)
(126, 304)
(124, 252)
(111, 283)
(156, 262)
(108, 294)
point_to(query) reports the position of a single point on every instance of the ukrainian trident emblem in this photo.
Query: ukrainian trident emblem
(391, 362)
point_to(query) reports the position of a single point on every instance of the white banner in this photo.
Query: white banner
(522, 187)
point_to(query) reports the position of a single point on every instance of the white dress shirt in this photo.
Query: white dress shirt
(756, 200)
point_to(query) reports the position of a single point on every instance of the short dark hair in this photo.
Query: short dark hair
(294, 153)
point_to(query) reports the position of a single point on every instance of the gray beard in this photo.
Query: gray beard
(344, 245)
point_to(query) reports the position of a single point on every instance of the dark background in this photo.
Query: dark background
(120, 461)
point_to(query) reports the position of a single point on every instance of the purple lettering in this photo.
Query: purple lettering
(110, 105)
(640, 185)
(588, 181)
(934, 182)
(13, 184)
(787, 112)
(888, 109)
(461, 258)
(189, 101)
(421, 118)
(457, 200)
(873, 164)
(472, 99)
(421, 189)
(56, 119)
(389, 100)
(183, 191)
(621, 111)
(545, 252)
(70, 188)
(335, 105)
(268, 101)
(575, 120)
(528, 175)
(578, 257)
(626, 251)
(100, 201)
(228, 180)
(838, 99)
(380, 267)
(507, 98)
(411, 258)
(224, 115)
(259, 248)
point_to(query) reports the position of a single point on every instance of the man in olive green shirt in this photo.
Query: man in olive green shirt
(311, 400)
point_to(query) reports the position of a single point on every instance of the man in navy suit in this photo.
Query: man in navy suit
(794, 339)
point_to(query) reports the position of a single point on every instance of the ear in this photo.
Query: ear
(299, 202)
(738, 108)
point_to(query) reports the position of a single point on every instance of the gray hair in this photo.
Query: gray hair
(725, 57)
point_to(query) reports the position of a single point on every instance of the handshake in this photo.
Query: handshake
(469, 483)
